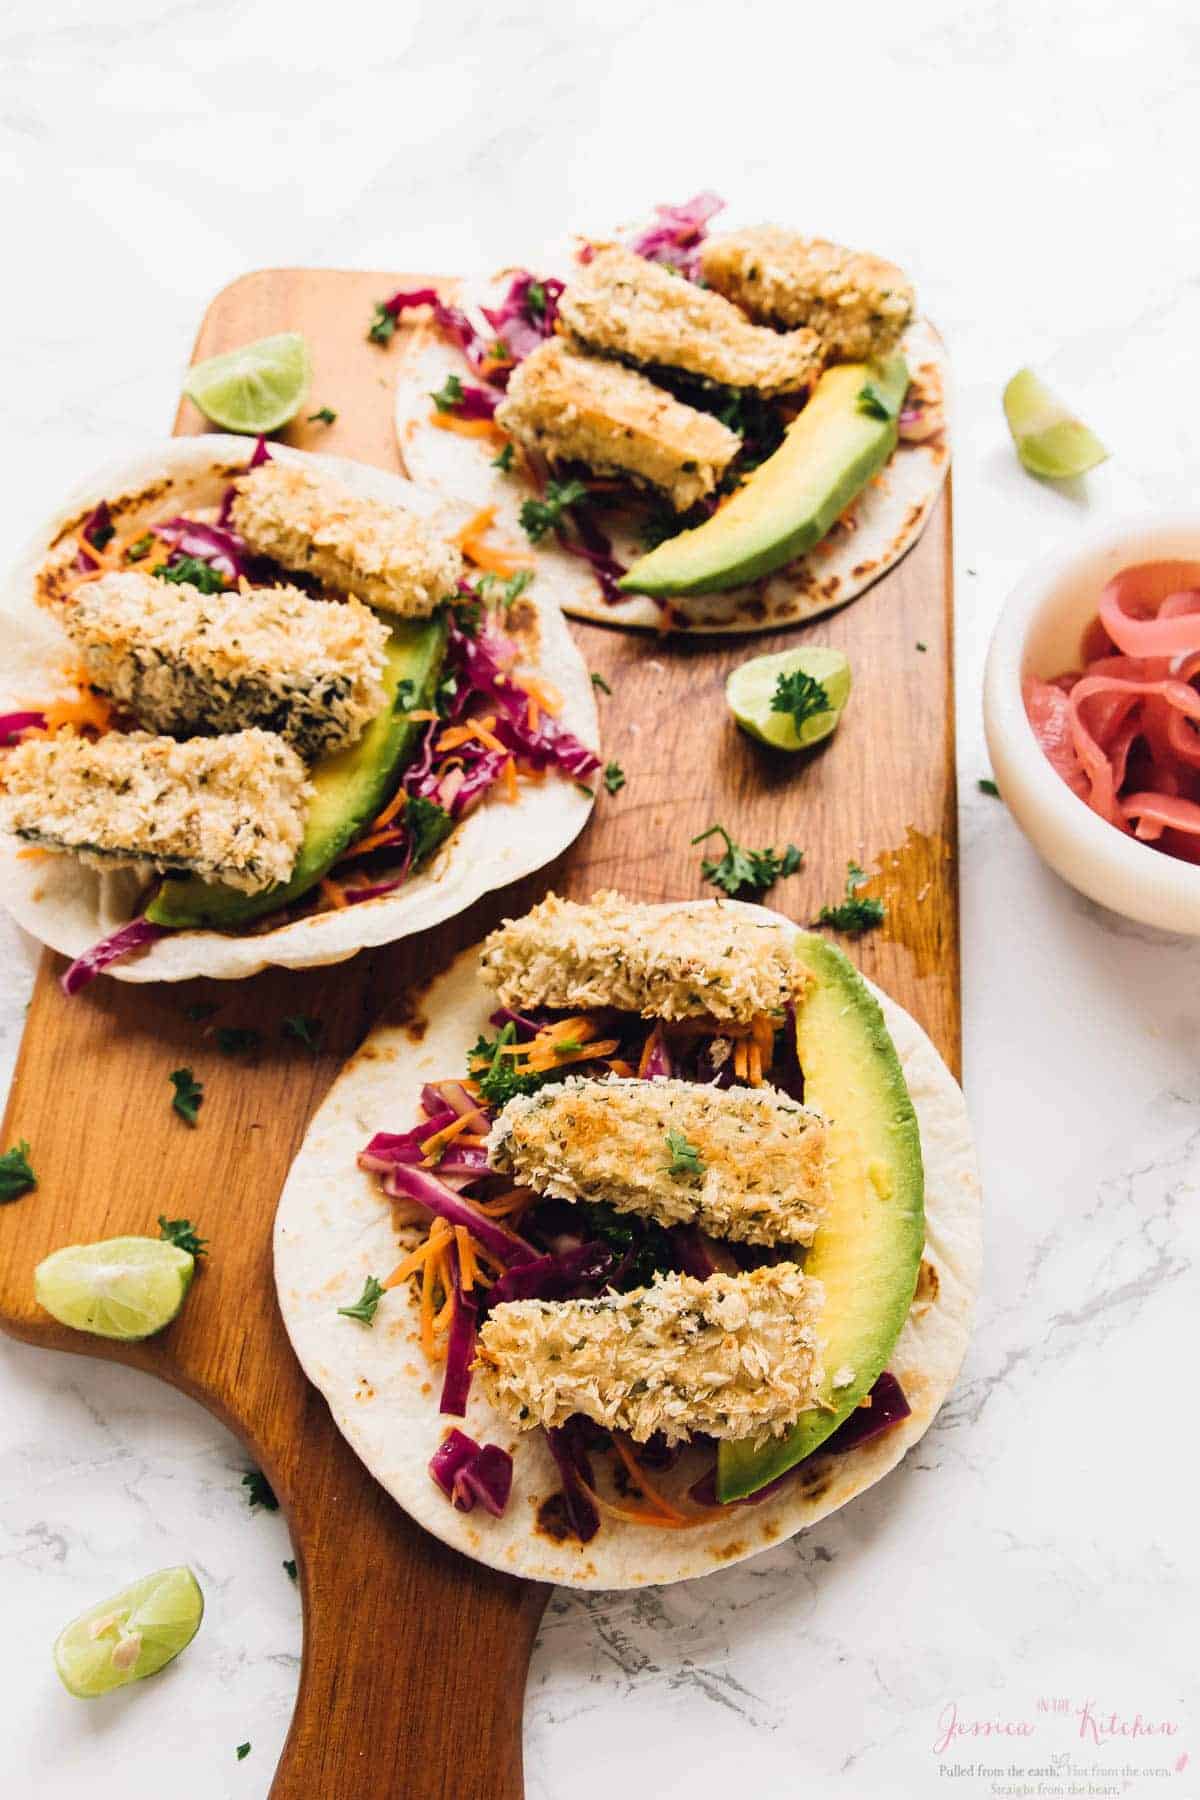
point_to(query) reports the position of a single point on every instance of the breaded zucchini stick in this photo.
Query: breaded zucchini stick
(228, 809)
(183, 662)
(610, 951)
(575, 408)
(622, 305)
(857, 303)
(760, 1169)
(311, 523)
(736, 1356)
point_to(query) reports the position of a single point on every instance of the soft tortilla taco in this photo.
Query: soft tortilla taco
(262, 709)
(650, 1238)
(715, 433)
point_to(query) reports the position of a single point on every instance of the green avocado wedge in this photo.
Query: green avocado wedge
(842, 438)
(867, 1250)
(351, 787)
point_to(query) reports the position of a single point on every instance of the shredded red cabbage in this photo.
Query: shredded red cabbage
(485, 660)
(786, 1073)
(84, 561)
(224, 549)
(119, 944)
(259, 455)
(474, 403)
(677, 233)
(694, 1251)
(468, 1472)
(387, 1148)
(460, 1346)
(13, 723)
(452, 1454)
(450, 321)
(595, 548)
(404, 1182)
(98, 527)
(524, 1027)
(557, 1277)
(574, 1466)
(658, 1065)
(520, 322)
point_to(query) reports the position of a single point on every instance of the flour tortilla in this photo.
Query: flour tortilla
(71, 907)
(334, 1228)
(889, 516)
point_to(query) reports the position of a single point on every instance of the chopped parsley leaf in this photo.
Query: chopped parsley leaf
(449, 395)
(567, 1047)
(509, 590)
(801, 696)
(192, 569)
(306, 1028)
(614, 777)
(259, 1491)
(467, 615)
(535, 300)
(504, 461)
(540, 516)
(383, 325)
(188, 1094)
(853, 915)
(16, 1175)
(497, 1074)
(642, 1247)
(243, 1751)
(364, 1307)
(598, 681)
(180, 1233)
(986, 785)
(428, 825)
(685, 1157)
(290, 1566)
(237, 1040)
(324, 415)
(140, 547)
(740, 870)
(922, 647)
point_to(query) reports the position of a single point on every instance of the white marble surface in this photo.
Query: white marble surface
(1031, 165)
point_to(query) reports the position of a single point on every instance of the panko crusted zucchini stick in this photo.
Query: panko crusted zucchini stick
(228, 809)
(622, 305)
(856, 303)
(575, 408)
(311, 523)
(185, 662)
(736, 1356)
(755, 1171)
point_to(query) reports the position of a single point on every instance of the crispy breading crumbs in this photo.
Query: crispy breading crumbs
(379, 553)
(228, 809)
(663, 963)
(183, 662)
(736, 1356)
(763, 1176)
(576, 408)
(857, 303)
(622, 305)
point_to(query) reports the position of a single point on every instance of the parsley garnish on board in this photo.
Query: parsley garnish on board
(200, 574)
(853, 915)
(324, 415)
(449, 395)
(181, 1233)
(243, 1751)
(259, 1491)
(237, 1040)
(364, 1307)
(16, 1176)
(290, 1566)
(685, 1157)
(599, 682)
(614, 777)
(986, 785)
(306, 1028)
(188, 1094)
(801, 696)
(504, 461)
(739, 869)
(540, 516)
(383, 326)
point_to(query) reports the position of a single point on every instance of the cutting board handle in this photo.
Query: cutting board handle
(412, 1680)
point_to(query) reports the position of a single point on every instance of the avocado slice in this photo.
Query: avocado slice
(351, 787)
(829, 453)
(867, 1250)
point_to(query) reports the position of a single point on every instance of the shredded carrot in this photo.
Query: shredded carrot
(466, 1257)
(533, 717)
(741, 1060)
(33, 853)
(647, 1051)
(88, 712)
(619, 1067)
(754, 1062)
(427, 1343)
(509, 777)
(422, 713)
(394, 805)
(762, 1030)
(555, 1059)
(432, 1147)
(411, 1264)
(637, 1516)
(649, 1491)
(332, 894)
(544, 692)
(470, 428)
(493, 559)
(479, 729)
(379, 840)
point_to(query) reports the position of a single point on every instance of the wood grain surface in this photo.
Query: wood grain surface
(389, 1612)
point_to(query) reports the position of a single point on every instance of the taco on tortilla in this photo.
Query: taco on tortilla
(652, 1238)
(266, 710)
(708, 433)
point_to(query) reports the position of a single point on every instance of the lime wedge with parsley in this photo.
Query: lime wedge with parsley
(1050, 440)
(133, 1635)
(255, 389)
(125, 1287)
(792, 699)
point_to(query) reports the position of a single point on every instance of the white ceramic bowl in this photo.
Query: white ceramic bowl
(1039, 633)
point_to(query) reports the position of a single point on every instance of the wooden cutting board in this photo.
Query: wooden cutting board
(415, 1659)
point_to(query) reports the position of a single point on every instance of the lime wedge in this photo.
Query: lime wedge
(131, 1636)
(1049, 440)
(751, 689)
(126, 1287)
(255, 389)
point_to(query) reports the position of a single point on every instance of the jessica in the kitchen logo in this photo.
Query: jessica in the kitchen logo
(1086, 1721)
